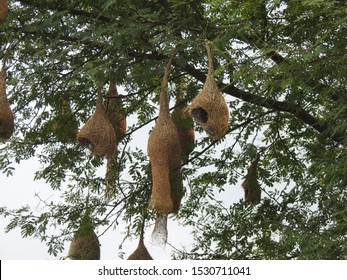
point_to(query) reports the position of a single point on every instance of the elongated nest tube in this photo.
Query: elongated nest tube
(209, 108)
(164, 152)
(3, 10)
(98, 134)
(6, 115)
(160, 232)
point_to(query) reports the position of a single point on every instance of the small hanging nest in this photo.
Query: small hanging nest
(97, 133)
(251, 185)
(64, 124)
(160, 232)
(3, 10)
(184, 123)
(209, 107)
(141, 252)
(115, 112)
(164, 152)
(85, 243)
(6, 115)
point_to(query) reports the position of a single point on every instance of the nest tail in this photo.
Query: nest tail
(115, 112)
(85, 244)
(98, 134)
(184, 123)
(6, 115)
(141, 252)
(251, 185)
(160, 233)
(3, 10)
(209, 108)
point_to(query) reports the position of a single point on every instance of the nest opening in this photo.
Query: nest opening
(200, 114)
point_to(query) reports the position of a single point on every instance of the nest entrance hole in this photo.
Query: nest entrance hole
(200, 114)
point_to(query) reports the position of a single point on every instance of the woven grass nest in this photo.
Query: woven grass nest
(164, 152)
(141, 252)
(98, 133)
(3, 10)
(115, 112)
(6, 115)
(251, 185)
(85, 244)
(184, 123)
(209, 108)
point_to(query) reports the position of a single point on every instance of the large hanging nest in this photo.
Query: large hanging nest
(85, 243)
(164, 152)
(251, 185)
(141, 252)
(3, 10)
(6, 115)
(98, 133)
(115, 112)
(184, 123)
(209, 107)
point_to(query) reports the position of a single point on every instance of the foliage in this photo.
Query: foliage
(279, 63)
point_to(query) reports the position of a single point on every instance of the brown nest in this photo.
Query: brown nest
(6, 115)
(164, 152)
(251, 185)
(141, 252)
(98, 134)
(209, 108)
(3, 10)
(85, 243)
(115, 112)
(184, 123)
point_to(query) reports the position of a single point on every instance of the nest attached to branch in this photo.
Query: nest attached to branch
(141, 252)
(85, 244)
(209, 108)
(251, 185)
(3, 10)
(164, 152)
(184, 123)
(97, 133)
(115, 112)
(6, 115)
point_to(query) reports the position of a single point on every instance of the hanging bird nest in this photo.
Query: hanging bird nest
(85, 244)
(141, 252)
(64, 124)
(3, 10)
(209, 107)
(177, 190)
(115, 112)
(251, 185)
(6, 115)
(164, 152)
(184, 123)
(98, 133)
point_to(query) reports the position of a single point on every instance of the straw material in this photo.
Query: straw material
(251, 185)
(85, 244)
(177, 190)
(141, 252)
(160, 233)
(115, 112)
(98, 133)
(184, 123)
(3, 10)
(209, 107)
(110, 178)
(164, 152)
(6, 115)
